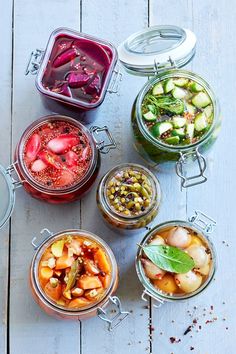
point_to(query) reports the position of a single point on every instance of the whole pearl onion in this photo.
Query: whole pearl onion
(205, 270)
(179, 237)
(151, 270)
(188, 282)
(157, 241)
(198, 254)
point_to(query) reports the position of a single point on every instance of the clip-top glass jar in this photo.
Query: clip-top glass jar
(181, 119)
(128, 196)
(64, 307)
(56, 160)
(74, 73)
(166, 286)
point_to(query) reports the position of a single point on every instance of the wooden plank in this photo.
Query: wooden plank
(177, 13)
(111, 21)
(31, 329)
(5, 143)
(213, 26)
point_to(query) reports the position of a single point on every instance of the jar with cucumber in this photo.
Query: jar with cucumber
(176, 114)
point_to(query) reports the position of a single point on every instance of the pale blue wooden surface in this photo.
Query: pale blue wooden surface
(24, 328)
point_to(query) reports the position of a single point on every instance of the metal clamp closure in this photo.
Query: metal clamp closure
(189, 181)
(103, 147)
(34, 62)
(203, 221)
(158, 67)
(16, 182)
(158, 302)
(45, 233)
(118, 318)
(115, 84)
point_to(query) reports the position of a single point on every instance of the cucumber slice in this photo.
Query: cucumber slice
(168, 85)
(201, 100)
(160, 128)
(152, 108)
(172, 140)
(181, 82)
(208, 111)
(157, 89)
(191, 109)
(179, 122)
(149, 116)
(179, 132)
(200, 122)
(190, 130)
(195, 87)
(178, 92)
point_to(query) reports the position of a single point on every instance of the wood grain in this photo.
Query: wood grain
(30, 330)
(5, 152)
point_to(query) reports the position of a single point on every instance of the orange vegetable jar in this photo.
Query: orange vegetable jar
(73, 275)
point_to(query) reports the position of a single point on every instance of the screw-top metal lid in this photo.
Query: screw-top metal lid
(156, 49)
(7, 196)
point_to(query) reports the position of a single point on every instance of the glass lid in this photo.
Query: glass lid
(7, 196)
(157, 49)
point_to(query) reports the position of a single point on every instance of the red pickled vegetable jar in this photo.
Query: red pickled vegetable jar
(98, 308)
(56, 160)
(74, 72)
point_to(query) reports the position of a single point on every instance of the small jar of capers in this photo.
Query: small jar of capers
(128, 196)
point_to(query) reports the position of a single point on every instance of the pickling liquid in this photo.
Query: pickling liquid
(77, 68)
(57, 155)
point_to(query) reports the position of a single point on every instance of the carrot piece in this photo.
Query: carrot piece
(78, 302)
(100, 258)
(64, 262)
(89, 282)
(45, 273)
(105, 280)
(53, 292)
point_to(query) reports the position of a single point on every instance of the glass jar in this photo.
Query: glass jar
(160, 52)
(17, 174)
(67, 55)
(199, 223)
(135, 219)
(96, 309)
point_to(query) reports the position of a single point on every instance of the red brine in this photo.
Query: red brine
(77, 68)
(57, 155)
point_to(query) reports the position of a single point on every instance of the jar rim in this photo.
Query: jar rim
(37, 257)
(29, 131)
(147, 284)
(175, 73)
(156, 197)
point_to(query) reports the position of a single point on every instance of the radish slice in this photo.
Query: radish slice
(38, 166)
(66, 178)
(71, 159)
(32, 147)
(63, 143)
(51, 159)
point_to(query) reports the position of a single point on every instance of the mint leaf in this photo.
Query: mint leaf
(169, 258)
